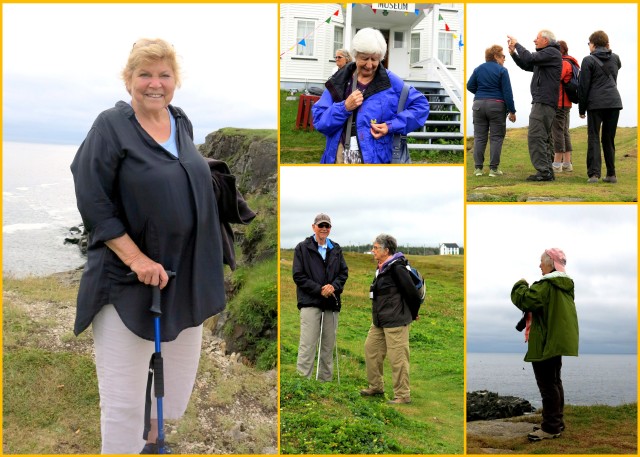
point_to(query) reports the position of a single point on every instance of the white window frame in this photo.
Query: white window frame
(414, 53)
(337, 44)
(445, 47)
(309, 49)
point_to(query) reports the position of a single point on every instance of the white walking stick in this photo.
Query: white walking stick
(319, 345)
(335, 332)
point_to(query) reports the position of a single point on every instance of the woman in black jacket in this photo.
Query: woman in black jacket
(146, 197)
(395, 306)
(601, 101)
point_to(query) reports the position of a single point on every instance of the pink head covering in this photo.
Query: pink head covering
(558, 257)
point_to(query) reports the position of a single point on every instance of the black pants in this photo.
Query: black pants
(607, 119)
(550, 384)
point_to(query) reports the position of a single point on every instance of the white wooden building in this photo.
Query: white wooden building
(449, 249)
(424, 41)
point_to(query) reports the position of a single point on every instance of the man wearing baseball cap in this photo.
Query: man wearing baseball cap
(553, 325)
(320, 272)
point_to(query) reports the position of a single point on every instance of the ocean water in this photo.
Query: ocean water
(607, 379)
(38, 208)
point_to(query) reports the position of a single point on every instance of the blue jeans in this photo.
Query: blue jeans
(489, 124)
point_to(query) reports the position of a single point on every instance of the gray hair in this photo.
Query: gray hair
(547, 261)
(548, 34)
(369, 41)
(388, 242)
(345, 53)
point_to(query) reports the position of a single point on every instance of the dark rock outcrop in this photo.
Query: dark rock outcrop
(485, 405)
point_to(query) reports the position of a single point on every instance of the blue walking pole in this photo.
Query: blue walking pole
(156, 370)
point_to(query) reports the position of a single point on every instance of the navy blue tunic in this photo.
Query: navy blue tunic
(127, 183)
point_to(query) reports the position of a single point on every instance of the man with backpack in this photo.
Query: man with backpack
(546, 65)
(567, 96)
(395, 304)
(320, 272)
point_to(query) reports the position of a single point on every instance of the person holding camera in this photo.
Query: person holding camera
(552, 332)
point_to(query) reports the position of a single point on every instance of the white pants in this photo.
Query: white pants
(122, 364)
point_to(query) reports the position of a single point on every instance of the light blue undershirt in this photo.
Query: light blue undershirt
(170, 145)
(323, 249)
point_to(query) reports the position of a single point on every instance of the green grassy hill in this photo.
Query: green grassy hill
(332, 418)
(516, 165)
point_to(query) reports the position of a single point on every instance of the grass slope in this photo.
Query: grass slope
(516, 164)
(332, 418)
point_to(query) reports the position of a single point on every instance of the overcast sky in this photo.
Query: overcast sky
(489, 24)
(62, 63)
(419, 206)
(504, 244)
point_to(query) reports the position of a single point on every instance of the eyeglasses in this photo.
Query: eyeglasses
(338, 57)
(377, 248)
(324, 225)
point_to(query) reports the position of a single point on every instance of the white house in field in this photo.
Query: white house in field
(449, 249)
(424, 41)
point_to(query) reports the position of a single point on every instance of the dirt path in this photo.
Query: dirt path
(234, 407)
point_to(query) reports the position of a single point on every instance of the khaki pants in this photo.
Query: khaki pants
(393, 342)
(310, 319)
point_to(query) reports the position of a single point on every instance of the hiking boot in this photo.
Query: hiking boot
(495, 172)
(540, 435)
(593, 180)
(610, 179)
(478, 172)
(540, 177)
(567, 167)
(399, 401)
(370, 392)
(152, 448)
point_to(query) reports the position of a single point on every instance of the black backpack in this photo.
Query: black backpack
(571, 87)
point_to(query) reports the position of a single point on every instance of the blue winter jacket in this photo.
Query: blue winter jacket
(490, 81)
(380, 103)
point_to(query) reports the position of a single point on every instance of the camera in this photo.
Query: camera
(522, 323)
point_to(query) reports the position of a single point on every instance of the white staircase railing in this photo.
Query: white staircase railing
(451, 85)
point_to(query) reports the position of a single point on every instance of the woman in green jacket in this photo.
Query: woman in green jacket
(552, 324)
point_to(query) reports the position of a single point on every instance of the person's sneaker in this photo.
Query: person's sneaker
(592, 180)
(537, 427)
(567, 166)
(370, 392)
(495, 172)
(399, 401)
(540, 177)
(557, 167)
(540, 435)
(478, 172)
(152, 448)
(610, 179)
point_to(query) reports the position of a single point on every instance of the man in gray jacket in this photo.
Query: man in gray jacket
(546, 65)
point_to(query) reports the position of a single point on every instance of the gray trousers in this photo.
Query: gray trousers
(310, 319)
(540, 137)
(489, 123)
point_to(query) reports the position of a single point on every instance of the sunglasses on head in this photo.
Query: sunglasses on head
(324, 225)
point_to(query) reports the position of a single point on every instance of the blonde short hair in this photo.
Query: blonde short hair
(148, 50)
